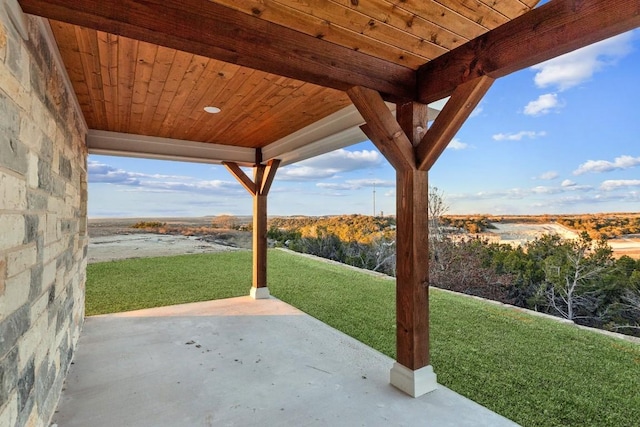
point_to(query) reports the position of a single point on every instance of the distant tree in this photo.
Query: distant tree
(573, 274)
(438, 207)
(228, 222)
(465, 266)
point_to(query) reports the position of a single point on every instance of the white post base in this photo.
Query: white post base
(414, 383)
(259, 293)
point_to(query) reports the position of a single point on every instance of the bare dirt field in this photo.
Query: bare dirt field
(628, 245)
(520, 233)
(115, 238)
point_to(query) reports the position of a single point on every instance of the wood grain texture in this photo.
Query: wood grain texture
(135, 87)
(216, 31)
(553, 29)
(242, 177)
(382, 128)
(263, 176)
(455, 112)
(269, 176)
(412, 268)
(259, 241)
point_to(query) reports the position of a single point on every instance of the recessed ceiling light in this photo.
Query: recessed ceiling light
(212, 110)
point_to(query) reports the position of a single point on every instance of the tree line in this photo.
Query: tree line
(579, 279)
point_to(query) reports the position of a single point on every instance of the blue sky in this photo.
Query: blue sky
(561, 137)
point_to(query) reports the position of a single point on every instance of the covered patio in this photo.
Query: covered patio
(244, 84)
(240, 362)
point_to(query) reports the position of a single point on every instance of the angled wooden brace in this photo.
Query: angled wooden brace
(382, 128)
(455, 112)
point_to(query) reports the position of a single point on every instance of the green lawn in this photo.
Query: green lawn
(534, 371)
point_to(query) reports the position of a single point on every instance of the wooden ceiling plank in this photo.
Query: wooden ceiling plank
(242, 177)
(199, 119)
(307, 103)
(195, 69)
(145, 62)
(126, 74)
(550, 30)
(437, 13)
(263, 105)
(455, 112)
(159, 76)
(509, 8)
(382, 128)
(290, 17)
(407, 21)
(179, 67)
(212, 30)
(476, 11)
(353, 20)
(226, 101)
(108, 53)
(232, 109)
(192, 111)
(88, 48)
(70, 52)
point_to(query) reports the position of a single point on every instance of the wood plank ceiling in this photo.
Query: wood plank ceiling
(130, 86)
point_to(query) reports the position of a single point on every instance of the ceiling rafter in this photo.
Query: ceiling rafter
(215, 31)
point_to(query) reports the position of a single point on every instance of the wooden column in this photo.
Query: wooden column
(263, 175)
(259, 233)
(412, 149)
(412, 247)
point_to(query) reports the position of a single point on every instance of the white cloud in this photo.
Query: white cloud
(549, 175)
(518, 136)
(576, 67)
(456, 144)
(543, 105)
(567, 183)
(612, 184)
(595, 166)
(156, 183)
(330, 164)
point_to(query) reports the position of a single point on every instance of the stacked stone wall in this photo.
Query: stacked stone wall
(43, 238)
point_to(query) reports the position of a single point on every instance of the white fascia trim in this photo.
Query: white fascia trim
(338, 130)
(45, 28)
(151, 147)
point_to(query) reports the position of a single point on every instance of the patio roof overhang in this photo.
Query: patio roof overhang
(283, 73)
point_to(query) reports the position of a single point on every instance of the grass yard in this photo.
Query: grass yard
(534, 371)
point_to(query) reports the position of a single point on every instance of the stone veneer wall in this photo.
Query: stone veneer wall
(43, 237)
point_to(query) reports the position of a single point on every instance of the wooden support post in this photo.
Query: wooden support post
(412, 248)
(259, 187)
(397, 140)
(259, 232)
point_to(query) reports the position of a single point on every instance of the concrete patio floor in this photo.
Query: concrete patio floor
(241, 362)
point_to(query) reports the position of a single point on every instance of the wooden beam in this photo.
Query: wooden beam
(553, 29)
(455, 112)
(382, 128)
(259, 241)
(412, 269)
(241, 177)
(258, 177)
(269, 175)
(215, 31)
(413, 118)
